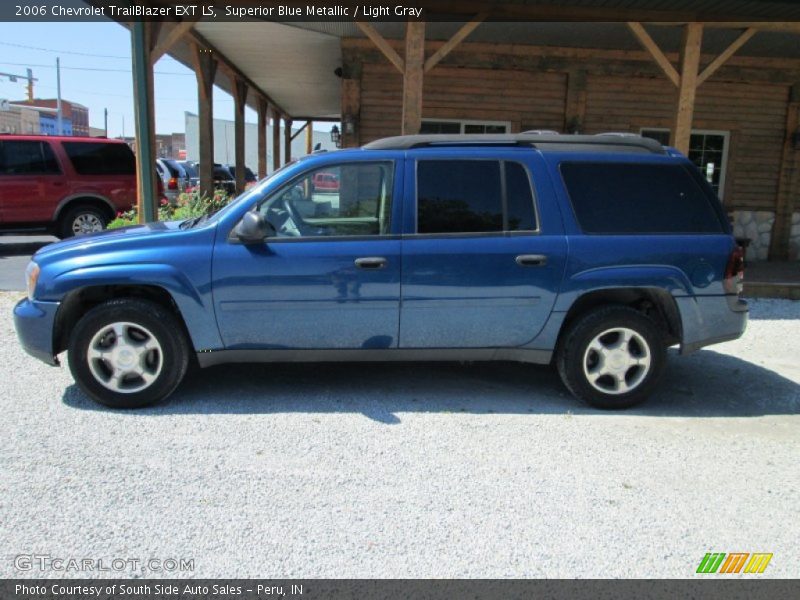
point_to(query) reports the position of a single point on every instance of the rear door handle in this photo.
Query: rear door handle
(370, 262)
(531, 260)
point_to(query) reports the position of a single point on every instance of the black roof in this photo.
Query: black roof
(605, 142)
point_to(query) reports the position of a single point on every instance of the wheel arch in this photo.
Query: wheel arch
(91, 199)
(654, 302)
(82, 299)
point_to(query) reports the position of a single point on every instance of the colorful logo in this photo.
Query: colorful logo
(719, 562)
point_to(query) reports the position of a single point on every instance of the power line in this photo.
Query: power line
(90, 69)
(39, 48)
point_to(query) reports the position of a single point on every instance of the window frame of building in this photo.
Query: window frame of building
(463, 123)
(726, 142)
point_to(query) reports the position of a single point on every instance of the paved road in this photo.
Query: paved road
(404, 470)
(15, 252)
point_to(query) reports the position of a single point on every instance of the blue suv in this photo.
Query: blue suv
(593, 253)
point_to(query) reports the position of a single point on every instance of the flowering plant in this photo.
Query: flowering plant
(188, 205)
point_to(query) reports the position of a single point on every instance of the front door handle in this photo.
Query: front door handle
(531, 260)
(370, 262)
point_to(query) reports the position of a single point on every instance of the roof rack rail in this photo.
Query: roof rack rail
(604, 142)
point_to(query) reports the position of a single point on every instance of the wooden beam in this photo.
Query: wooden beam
(309, 138)
(262, 137)
(454, 41)
(276, 139)
(205, 71)
(575, 103)
(775, 26)
(474, 52)
(287, 140)
(690, 64)
(299, 131)
(166, 42)
(650, 45)
(785, 203)
(382, 45)
(412, 77)
(351, 111)
(726, 54)
(239, 101)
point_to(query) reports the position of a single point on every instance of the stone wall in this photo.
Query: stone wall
(755, 225)
(794, 238)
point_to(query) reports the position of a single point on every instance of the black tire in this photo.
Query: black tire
(173, 351)
(71, 215)
(573, 350)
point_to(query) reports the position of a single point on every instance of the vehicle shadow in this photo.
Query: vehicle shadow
(706, 384)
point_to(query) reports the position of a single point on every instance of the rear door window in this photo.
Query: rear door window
(473, 196)
(92, 158)
(639, 198)
(27, 158)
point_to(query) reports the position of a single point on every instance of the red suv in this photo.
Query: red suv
(66, 185)
(326, 182)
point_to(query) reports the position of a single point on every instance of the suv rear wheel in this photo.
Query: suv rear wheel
(80, 220)
(128, 353)
(612, 357)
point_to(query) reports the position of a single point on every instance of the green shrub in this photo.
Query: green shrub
(187, 206)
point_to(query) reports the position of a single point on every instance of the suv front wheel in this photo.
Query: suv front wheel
(128, 353)
(612, 357)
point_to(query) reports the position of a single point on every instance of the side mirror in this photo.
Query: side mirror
(253, 228)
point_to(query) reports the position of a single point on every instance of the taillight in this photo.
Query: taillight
(173, 183)
(734, 271)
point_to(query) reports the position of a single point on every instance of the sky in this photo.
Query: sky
(96, 72)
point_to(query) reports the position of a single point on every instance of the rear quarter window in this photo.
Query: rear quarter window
(92, 158)
(636, 198)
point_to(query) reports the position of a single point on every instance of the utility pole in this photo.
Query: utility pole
(59, 127)
(105, 120)
(30, 85)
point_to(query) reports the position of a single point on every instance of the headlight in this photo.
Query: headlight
(31, 277)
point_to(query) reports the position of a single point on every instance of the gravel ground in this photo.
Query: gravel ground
(406, 470)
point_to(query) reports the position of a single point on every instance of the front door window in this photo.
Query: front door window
(341, 200)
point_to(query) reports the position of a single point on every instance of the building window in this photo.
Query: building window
(707, 149)
(461, 126)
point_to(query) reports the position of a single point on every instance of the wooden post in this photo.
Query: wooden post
(575, 105)
(142, 35)
(351, 101)
(687, 90)
(412, 77)
(351, 109)
(205, 69)
(309, 137)
(262, 138)
(239, 101)
(788, 185)
(276, 139)
(287, 140)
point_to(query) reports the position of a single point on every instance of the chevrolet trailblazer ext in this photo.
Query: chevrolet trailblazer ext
(593, 252)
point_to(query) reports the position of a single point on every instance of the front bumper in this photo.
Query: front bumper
(34, 322)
